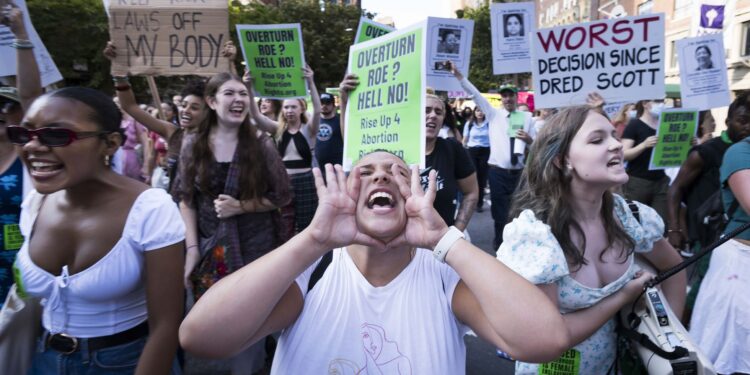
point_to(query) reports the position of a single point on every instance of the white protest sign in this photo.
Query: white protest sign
(47, 69)
(703, 72)
(512, 27)
(622, 59)
(448, 39)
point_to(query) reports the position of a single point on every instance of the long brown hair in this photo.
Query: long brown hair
(251, 159)
(544, 188)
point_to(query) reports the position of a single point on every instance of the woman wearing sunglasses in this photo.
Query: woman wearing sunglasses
(232, 182)
(104, 252)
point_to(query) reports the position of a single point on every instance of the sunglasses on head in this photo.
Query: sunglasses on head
(50, 137)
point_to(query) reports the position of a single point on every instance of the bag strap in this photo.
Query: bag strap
(319, 270)
(634, 209)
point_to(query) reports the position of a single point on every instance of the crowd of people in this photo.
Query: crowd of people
(114, 211)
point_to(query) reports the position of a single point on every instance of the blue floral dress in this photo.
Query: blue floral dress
(530, 249)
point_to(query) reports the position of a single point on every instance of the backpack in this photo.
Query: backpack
(713, 219)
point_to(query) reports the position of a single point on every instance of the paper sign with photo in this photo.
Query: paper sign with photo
(512, 27)
(448, 40)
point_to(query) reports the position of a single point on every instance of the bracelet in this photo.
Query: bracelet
(120, 79)
(22, 44)
(190, 247)
(124, 87)
(674, 230)
(449, 238)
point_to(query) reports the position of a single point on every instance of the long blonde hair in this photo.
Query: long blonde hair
(283, 125)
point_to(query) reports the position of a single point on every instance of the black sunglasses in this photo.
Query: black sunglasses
(50, 137)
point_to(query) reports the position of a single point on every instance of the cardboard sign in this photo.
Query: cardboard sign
(369, 29)
(676, 131)
(512, 26)
(168, 37)
(703, 72)
(622, 59)
(386, 111)
(47, 69)
(448, 39)
(275, 57)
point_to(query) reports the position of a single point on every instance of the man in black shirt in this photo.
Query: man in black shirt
(330, 145)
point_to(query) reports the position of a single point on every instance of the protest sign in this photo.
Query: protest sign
(611, 109)
(275, 57)
(512, 26)
(676, 129)
(622, 59)
(47, 69)
(369, 29)
(448, 39)
(168, 37)
(386, 110)
(703, 72)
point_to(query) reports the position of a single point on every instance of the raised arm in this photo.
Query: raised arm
(262, 297)
(130, 106)
(264, 123)
(28, 80)
(481, 101)
(349, 83)
(229, 52)
(500, 315)
(315, 122)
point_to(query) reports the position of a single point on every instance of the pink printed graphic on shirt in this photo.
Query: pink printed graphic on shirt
(381, 356)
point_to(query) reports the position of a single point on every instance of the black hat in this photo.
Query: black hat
(326, 98)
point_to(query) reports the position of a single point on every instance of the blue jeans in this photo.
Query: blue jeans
(503, 183)
(114, 360)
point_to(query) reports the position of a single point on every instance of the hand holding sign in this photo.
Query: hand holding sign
(456, 72)
(229, 51)
(13, 18)
(650, 141)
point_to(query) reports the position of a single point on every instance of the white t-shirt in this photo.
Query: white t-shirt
(348, 326)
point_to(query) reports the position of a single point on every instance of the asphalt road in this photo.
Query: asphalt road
(480, 356)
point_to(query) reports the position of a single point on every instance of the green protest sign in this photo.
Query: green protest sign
(515, 123)
(275, 58)
(568, 364)
(369, 29)
(676, 131)
(386, 111)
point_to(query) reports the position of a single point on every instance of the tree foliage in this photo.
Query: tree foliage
(76, 31)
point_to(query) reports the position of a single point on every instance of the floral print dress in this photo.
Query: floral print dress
(530, 249)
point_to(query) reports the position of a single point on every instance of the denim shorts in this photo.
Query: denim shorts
(114, 360)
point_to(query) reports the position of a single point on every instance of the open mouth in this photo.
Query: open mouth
(380, 199)
(614, 162)
(43, 168)
(237, 110)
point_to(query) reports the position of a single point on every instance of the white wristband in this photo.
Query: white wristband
(449, 238)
